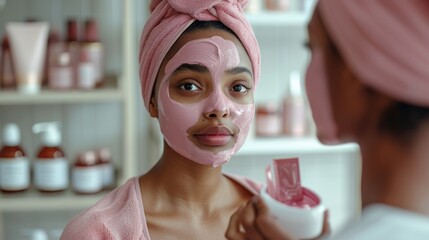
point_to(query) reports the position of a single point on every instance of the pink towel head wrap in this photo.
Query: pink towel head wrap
(386, 44)
(170, 18)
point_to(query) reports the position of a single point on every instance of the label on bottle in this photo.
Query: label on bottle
(61, 77)
(94, 52)
(108, 174)
(51, 174)
(86, 75)
(14, 174)
(87, 179)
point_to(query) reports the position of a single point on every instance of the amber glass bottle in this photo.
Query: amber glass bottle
(51, 169)
(14, 166)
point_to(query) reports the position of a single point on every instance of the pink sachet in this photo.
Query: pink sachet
(287, 180)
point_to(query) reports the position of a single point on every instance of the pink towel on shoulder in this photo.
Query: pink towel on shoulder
(170, 18)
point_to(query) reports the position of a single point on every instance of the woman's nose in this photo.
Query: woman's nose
(217, 114)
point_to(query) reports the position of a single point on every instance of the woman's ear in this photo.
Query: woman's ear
(153, 111)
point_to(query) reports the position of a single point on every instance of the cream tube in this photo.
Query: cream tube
(28, 44)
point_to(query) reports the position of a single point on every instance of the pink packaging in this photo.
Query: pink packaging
(288, 181)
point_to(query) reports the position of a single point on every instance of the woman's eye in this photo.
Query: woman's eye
(240, 88)
(189, 87)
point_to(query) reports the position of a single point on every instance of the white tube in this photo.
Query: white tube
(28, 42)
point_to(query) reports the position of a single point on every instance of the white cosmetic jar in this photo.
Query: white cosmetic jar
(301, 223)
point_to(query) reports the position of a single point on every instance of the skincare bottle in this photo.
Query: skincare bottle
(277, 5)
(87, 175)
(53, 38)
(73, 45)
(93, 49)
(294, 110)
(7, 74)
(61, 73)
(104, 161)
(28, 42)
(14, 165)
(51, 169)
(86, 72)
(55, 48)
(268, 120)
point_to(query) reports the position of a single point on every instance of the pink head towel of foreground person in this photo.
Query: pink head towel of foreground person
(386, 44)
(170, 18)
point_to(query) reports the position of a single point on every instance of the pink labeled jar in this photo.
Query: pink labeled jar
(268, 120)
(104, 161)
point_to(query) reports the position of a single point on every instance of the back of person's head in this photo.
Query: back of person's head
(385, 44)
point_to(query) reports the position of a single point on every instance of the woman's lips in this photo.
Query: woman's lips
(215, 136)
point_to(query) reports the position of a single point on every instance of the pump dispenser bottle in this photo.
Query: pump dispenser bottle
(14, 166)
(51, 169)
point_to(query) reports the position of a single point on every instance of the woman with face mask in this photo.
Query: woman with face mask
(199, 68)
(368, 82)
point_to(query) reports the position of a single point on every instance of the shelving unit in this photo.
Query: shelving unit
(109, 92)
(55, 97)
(117, 93)
(34, 200)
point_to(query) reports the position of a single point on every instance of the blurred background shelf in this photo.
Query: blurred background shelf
(289, 145)
(33, 200)
(106, 93)
(272, 18)
(58, 97)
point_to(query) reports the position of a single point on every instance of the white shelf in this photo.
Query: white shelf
(266, 18)
(32, 200)
(284, 145)
(11, 97)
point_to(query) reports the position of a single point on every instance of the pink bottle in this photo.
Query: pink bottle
(92, 48)
(294, 108)
(73, 46)
(61, 72)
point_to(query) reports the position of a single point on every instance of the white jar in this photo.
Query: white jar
(301, 223)
(87, 176)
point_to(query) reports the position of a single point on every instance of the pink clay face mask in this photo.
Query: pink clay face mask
(217, 55)
(318, 96)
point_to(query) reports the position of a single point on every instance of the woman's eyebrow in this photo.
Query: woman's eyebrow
(238, 70)
(191, 67)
